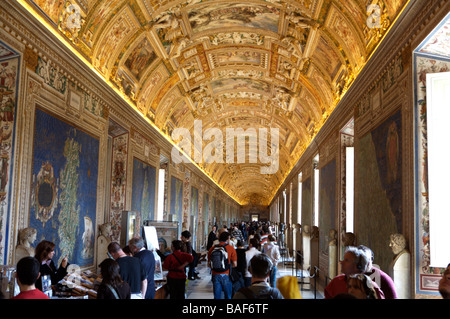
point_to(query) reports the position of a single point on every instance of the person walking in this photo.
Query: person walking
(211, 237)
(222, 257)
(253, 249)
(272, 250)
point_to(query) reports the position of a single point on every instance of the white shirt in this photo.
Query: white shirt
(273, 252)
(248, 256)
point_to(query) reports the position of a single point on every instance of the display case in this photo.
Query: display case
(8, 281)
(166, 232)
(159, 235)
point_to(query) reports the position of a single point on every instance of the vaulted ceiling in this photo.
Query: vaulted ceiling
(275, 64)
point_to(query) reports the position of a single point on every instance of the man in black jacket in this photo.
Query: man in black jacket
(211, 237)
(137, 246)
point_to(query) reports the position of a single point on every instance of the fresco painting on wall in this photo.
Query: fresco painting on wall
(380, 188)
(9, 68)
(64, 188)
(213, 211)
(176, 200)
(327, 206)
(428, 276)
(306, 202)
(144, 190)
(194, 214)
(206, 214)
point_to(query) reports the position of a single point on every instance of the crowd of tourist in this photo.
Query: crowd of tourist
(242, 258)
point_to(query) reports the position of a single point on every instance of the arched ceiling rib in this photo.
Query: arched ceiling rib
(249, 64)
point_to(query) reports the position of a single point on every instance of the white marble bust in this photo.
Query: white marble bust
(400, 268)
(332, 254)
(27, 236)
(103, 240)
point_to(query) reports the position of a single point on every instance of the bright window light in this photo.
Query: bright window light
(316, 192)
(438, 114)
(299, 205)
(161, 181)
(349, 187)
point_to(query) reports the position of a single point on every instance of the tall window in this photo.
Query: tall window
(349, 187)
(290, 204)
(299, 206)
(438, 113)
(161, 181)
(347, 184)
(316, 190)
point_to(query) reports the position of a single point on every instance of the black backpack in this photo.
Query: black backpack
(219, 258)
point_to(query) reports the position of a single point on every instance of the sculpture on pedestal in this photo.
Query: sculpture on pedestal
(400, 268)
(103, 240)
(332, 253)
(27, 236)
(306, 241)
(348, 239)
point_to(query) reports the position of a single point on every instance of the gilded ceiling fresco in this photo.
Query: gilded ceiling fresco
(281, 64)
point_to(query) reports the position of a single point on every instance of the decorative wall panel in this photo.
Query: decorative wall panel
(64, 188)
(143, 197)
(378, 206)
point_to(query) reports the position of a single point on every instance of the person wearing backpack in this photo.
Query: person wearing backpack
(221, 258)
(260, 267)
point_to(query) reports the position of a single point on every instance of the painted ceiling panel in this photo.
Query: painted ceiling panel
(279, 65)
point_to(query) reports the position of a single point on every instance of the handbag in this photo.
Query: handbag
(163, 292)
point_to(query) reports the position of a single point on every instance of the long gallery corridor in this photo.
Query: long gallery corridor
(329, 119)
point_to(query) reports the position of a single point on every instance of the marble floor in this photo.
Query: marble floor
(203, 289)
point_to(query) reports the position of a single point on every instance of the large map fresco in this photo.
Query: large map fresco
(64, 188)
(144, 190)
(306, 202)
(194, 214)
(176, 200)
(327, 203)
(379, 184)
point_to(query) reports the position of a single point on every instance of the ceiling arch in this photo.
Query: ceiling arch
(281, 64)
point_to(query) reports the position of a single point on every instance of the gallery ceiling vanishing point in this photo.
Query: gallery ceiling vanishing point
(281, 64)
